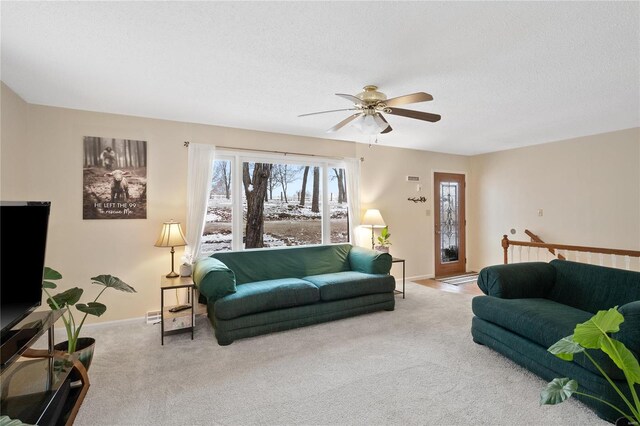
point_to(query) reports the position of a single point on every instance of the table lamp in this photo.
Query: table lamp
(171, 236)
(373, 218)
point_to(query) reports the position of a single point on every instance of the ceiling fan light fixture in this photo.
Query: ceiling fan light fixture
(370, 104)
(367, 125)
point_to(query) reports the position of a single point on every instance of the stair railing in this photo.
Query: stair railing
(603, 256)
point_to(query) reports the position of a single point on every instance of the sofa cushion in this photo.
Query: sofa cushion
(213, 279)
(295, 262)
(593, 288)
(542, 321)
(262, 296)
(343, 285)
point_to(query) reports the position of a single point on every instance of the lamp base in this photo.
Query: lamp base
(172, 274)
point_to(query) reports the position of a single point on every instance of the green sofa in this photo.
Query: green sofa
(530, 306)
(254, 292)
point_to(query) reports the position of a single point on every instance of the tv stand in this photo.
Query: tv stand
(40, 386)
(16, 341)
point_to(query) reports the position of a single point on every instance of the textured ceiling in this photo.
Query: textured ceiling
(502, 74)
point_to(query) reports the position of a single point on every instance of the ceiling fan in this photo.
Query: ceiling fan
(370, 105)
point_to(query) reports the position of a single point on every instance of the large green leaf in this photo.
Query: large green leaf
(68, 297)
(623, 358)
(113, 282)
(565, 348)
(48, 284)
(92, 308)
(51, 274)
(557, 391)
(589, 334)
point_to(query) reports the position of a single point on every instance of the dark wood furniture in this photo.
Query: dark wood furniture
(398, 260)
(42, 386)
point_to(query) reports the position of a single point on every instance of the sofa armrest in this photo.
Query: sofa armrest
(213, 279)
(629, 333)
(369, 261)
(518, 280)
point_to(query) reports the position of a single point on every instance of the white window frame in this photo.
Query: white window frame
(237, 190)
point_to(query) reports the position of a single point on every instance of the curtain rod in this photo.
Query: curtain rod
(186, 145)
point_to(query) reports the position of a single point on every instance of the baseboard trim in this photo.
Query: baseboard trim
(420, 277)
(98, 325)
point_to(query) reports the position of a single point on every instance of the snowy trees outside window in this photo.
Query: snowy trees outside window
(281, 204)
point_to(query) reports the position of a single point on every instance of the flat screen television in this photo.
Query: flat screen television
(23, 241)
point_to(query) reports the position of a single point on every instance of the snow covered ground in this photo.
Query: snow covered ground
(286, 224)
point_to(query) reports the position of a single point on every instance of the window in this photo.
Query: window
(218, 224)
(338, 210)
(275, 201)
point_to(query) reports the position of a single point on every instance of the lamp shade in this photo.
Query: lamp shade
(171, 235)
(373, 218)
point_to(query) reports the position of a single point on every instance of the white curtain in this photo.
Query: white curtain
(353, 197)
(199, 175)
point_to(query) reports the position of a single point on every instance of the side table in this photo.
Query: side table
(181, 321)
(399, 260)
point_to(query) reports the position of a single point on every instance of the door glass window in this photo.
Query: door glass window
(449, 213)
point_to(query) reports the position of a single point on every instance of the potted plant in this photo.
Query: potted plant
(82, 346)
(594, 334)
(383, 240)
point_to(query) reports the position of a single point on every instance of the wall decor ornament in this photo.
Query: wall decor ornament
(417, 200)
(114, 178)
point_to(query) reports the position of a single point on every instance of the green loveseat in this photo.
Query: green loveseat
(254, 292)
(530, 306)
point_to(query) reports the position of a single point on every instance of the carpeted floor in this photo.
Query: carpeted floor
(416, 365)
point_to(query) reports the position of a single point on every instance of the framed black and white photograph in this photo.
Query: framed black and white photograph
(114, 178)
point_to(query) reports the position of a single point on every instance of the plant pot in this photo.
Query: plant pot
(382, 249)
(84, 350)
(623, 421)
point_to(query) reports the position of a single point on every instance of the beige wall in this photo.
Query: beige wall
(13, 133)
(81, 248)
(588, 189)
(384, 187)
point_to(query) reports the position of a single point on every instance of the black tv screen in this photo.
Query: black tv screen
(23, 237)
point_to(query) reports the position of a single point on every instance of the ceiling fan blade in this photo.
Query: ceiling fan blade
(331, 110)
(408, 99)
(419, 115)
(351, 98)
(382, 123)
(389, 128)
(344, 122)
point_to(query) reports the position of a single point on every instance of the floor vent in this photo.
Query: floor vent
(153, 317)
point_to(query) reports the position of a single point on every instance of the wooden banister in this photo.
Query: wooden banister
(600, 250)
(505, 247)
(536, 239)
(552, 247)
